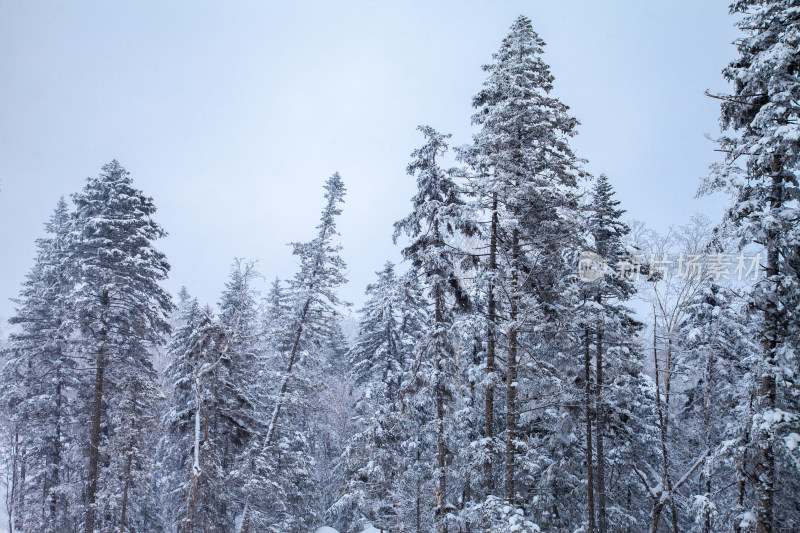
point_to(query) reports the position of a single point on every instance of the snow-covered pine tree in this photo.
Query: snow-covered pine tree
(282, 460)
(119, 308)
(314, 304)
(38, 378)
(525, 177)
(760, 121)
(393, 320)
(215, 386)
(195, 465)
(621, 409)
(718, 350)
(438, 214)
(175, 446)
(237, 388)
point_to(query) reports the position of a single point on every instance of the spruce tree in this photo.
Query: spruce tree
(525, 178)
(120, 309)
(306, 337)
(760, 175)
(392, 321)
(38, 379)
(612, 327)
(438, 214)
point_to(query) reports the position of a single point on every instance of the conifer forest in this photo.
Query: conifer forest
(533, 360)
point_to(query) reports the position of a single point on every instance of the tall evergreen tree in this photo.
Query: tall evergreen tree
(438, 213)
(760, 174)
(622, 407)
(307, 336)
(392, 321)
(120, 309)
(525, 177)
(312, 296)
(188, 349)
(38, 379)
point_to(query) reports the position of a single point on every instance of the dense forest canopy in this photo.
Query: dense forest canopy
(537, 362)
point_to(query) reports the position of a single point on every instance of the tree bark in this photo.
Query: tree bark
(666, 483)
(588, 409)
(128, 466)
(94, 442)
(601, 428)
(765, 468)
(511, 375)
(491, 342)
(441, 447)
(55, 473)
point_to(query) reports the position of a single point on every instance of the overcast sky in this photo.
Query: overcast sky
(231, 115)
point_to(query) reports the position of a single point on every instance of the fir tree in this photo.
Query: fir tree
(392, 321)
(38, 378)
(119, 309)
(759, 173)
(611, 327)
(306, 338)
(438, 213)
(525, 178)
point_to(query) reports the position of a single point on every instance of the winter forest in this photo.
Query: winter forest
(536, 362)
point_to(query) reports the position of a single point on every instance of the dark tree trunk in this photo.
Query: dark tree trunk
(601, 429)
(94, 442)
(55, 474)
(511, 375)
(439, 391)
(588, 409)
(128, 465)
(765, 468)
(491, 343)
(285, 383)
(418, 502)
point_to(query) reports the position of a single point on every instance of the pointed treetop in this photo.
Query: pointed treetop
(334, 195)
(59, 218)
(521, 38)
(518, 64)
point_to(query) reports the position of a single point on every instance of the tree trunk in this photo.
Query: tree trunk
(55, 474)
(601, 428)
(195, 482)
(667, 392)
(658, 504)
(22, 474)
(441, 446)
(491, 311)
(765, 469)
(285, 383)
(128, 466)
(742, 473)
(418, 502)
(511, 374)
(655, 516)
(588, 409)
(94, 442)
(707, 431)
(13, 486)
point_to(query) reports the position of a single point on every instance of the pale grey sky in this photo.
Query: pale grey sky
(232, 114)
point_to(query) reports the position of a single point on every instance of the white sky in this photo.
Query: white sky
(232, 114)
